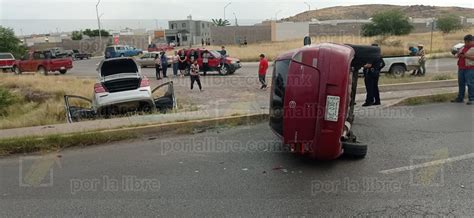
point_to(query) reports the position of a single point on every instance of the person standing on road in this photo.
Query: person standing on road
(175, 63)
(422, 68)
(164, 63)
(183, 63)
(205, 62)
(372, 74)
(223, 53)
(466, 70)
(194, 75)
(157, 66)
(262, 71)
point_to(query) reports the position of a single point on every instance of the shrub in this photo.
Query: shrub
(6, 99)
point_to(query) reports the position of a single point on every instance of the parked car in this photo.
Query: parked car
(398, 65)
(7, 61)
(316, 118)
(42, 63)
(120, 89)
(456, 48)
(69, 53)
(231, 65)
(148, 59)
(121, 51)
(78, 55)
(160, 47)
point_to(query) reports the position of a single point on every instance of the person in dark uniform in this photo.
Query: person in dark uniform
(372, 74)
(164, 63)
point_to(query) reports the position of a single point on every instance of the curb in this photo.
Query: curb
(56, 142)
(189, 126)
(172, 127)
(413, 86)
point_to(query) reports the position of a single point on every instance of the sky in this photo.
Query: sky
(45, 16)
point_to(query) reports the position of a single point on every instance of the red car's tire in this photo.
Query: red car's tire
(354, 149)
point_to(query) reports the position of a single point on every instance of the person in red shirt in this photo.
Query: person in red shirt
(466, 70)
(262, 71)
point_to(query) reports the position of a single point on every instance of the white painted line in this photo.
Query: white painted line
(428, 164)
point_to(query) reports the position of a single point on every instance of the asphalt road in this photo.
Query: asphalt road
(87, 68)
(245, 172)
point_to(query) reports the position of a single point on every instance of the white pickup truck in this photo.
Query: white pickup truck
(398, 65)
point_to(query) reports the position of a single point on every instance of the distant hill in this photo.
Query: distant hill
(367, 11)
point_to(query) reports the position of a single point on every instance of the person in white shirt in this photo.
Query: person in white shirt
(175, 63)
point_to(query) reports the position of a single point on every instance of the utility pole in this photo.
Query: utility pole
(235, 16)
(225, 7)
(98, 22)
(276, 15)
(309, 6)
(432, 30)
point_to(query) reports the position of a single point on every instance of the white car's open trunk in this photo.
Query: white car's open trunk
(119, 75)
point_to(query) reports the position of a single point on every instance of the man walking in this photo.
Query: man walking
(466, 70)
(262, 71)
(372, 74)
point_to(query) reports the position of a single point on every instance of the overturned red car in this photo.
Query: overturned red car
(313, 97)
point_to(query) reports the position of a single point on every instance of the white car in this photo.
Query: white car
(456, 48)
(398, 65)
(121, 89)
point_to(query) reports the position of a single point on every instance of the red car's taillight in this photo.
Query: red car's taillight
(145, 82)
(98, 88)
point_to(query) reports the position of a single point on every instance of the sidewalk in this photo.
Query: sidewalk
(244, 108)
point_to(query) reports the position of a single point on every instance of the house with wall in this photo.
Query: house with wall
(189, 31)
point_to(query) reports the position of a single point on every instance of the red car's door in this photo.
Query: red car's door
(301, 104)
(38, 59)
(199, 59)
(25, 63)
(214, 61)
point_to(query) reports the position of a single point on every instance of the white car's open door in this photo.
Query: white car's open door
(164, 97)
(78, 108)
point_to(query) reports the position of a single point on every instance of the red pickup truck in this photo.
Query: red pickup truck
(6, 61)
(43, 63)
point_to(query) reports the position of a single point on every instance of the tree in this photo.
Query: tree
(392, 22)
(449, 23)
(221, 22)
(95, 33)
(76, 35)
(10, 43)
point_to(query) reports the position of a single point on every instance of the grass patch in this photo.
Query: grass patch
(440, 77)
(387, 79)
(57, 142)
(39, 99)
(439, 98)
